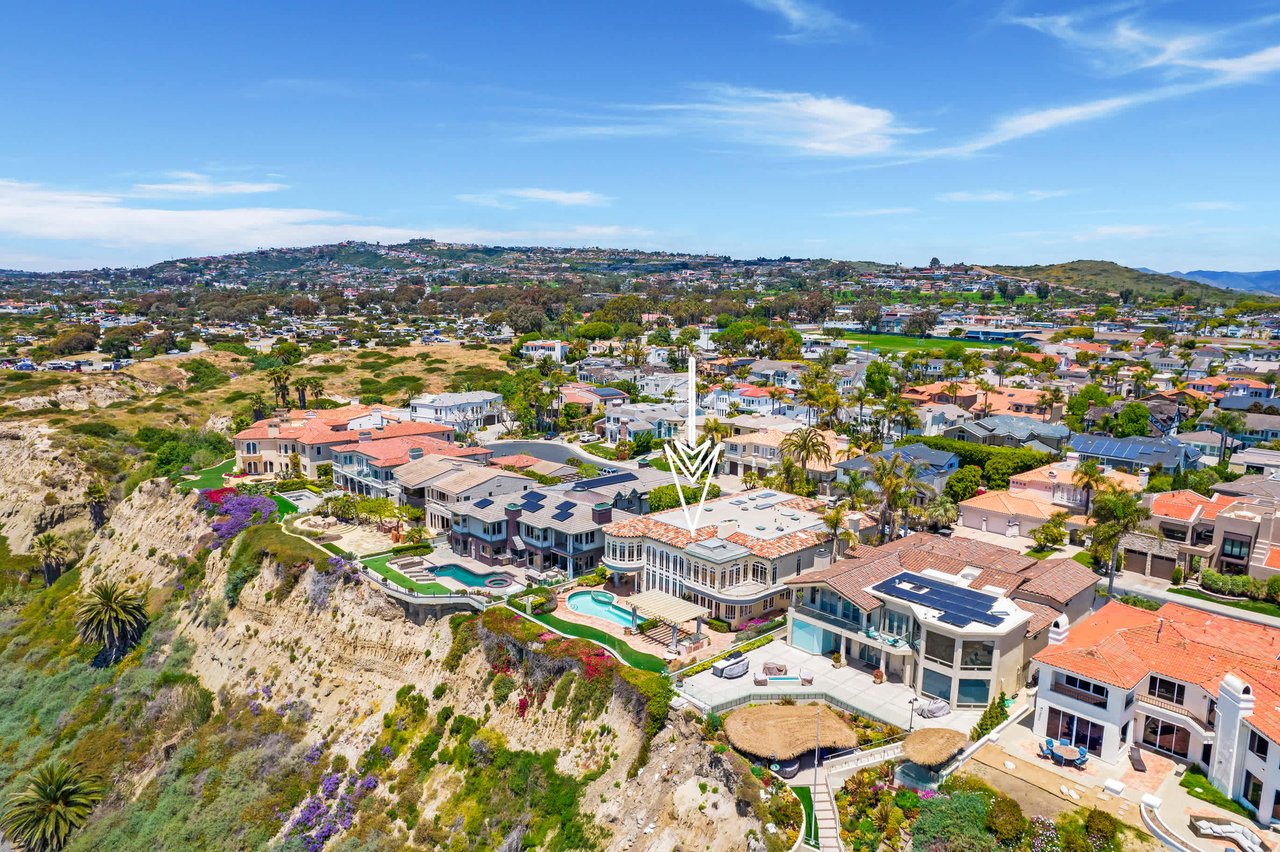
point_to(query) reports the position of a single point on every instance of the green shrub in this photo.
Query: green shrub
(439, 691)
(96, 429)
(1005, 820)
(1101, 825)
(503, 686)
(719, 625)
(1177, 577)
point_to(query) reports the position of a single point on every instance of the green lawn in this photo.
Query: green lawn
(630, 655)
(1040, 554)
(598, 448)
(211, 477)
(660, 463)
(379, 566)
(1198, 786)
(287, 507)
(898, 343)
(1260, 607)
(810, 818)
(1084, 559)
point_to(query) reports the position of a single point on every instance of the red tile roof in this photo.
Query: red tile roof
(1121, 645)
(394, 451)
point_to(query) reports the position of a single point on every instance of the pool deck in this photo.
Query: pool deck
(851, 685)
(717, 642)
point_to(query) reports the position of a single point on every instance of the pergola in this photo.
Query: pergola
(668, 609)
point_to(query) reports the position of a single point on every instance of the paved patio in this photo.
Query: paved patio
(848, 685)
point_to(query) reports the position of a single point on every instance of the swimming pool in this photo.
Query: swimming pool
(471, 579)
(600, 605)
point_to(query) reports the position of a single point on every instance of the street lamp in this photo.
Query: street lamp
(911, 719)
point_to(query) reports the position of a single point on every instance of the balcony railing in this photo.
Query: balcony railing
(1152, 701)
(1078, 694)
(830, 618)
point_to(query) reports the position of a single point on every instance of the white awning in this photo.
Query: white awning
(665, 607)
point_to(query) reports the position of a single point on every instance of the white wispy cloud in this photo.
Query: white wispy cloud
(877, 211)
(796, 121)
(1128, 232)
(808, 21)
(1002, 195)
(507, 198)
(196, 184)
(115, 228)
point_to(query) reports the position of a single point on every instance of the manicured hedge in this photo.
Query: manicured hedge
(1012, 461)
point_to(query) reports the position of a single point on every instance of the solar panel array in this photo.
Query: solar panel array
(600, 481)
(562, 515)
(565, 504)
(1116, 448)
(484, 504)
(958, 606)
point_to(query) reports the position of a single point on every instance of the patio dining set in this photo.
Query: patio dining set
(1063, 753)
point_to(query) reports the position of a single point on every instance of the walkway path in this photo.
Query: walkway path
(824, 811)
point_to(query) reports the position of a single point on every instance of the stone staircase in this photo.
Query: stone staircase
(824, 810)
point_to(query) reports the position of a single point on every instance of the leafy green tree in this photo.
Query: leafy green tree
(1052, 533)
(57, 801)
(665, 496)
(963, 484)
(1134, 420)
(111, 616)
(1090, 394)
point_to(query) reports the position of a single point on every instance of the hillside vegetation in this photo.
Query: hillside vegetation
(1105, 277)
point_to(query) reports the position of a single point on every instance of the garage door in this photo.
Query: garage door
(1135, 561)
(1162, 567)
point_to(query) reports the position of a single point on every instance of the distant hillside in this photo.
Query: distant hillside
(1267, 281)
(1105, 277)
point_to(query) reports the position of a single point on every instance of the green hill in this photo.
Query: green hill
(1104, 277)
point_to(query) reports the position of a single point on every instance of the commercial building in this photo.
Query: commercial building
(1195, 686)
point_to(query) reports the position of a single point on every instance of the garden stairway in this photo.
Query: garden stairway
(824, 811)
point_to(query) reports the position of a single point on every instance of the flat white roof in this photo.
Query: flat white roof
(756, 514)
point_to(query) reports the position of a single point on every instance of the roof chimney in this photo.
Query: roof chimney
(726, 528)
(601, 513)
(308, 415)
(415, 452)
(273, 428)
(365, 436)
(455, 465)
(1058, 630)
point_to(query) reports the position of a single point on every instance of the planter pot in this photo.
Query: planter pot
(877, 676)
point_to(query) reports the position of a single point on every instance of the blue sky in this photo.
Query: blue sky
(1144, 133)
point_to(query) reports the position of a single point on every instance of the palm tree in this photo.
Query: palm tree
(258, 405)
(855, 487)
(750, 480)
(833, 519)
(805, 445)
(56, 802)
(578, 348)
(111, 616)
(52, 552)
(279, 378)
(898, 481)
(859, 397)
(96, 497)
(715, 430)
(1047, 399)
(941, 512)
(1226, 423)
(1115, 514)
(1088, 477)
(310, 385)
(986, 387)
(777, 394)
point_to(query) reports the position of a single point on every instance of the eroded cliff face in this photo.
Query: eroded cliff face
(150, 534)
(41, 488)
(347, 649)
(89, 392)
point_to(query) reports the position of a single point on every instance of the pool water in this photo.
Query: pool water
(470, 579)
(600, 605)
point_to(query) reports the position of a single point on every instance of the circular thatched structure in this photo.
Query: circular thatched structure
(784, 732)
(933, 747)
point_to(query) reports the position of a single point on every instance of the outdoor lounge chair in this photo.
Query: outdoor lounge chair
(775, 669)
